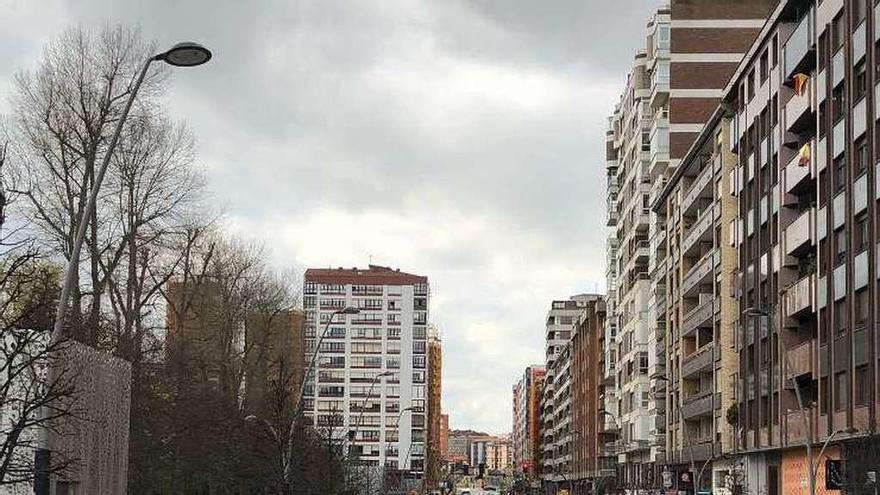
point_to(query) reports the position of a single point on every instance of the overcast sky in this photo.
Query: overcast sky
(462, 140)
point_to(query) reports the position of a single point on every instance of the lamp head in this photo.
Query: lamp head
(349, 311)
(186, 54)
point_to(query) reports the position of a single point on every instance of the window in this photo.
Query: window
(773, 51)
(838, 28)
(861, 308)
(763, 66)
(860, 158)
(419, 362)
(838, 104)
(859, 10)
(839, 317)
(862, 385)
(839, 246)
(821, 52)
(860, 234)
(841, 387)
(643, 363)
(751, 83)
(824, 395)
(860, 83)
(840, 172)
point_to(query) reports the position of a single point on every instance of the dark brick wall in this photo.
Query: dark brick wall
(722, 9)
(712, 40)
(691, 110)
(700, 75)
(680, 143)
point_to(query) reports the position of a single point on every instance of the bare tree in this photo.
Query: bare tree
(28, 294)
(63, 114)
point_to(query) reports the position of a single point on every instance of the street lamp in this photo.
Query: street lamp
(756, 312)
(357, 425)
(815, 468)
(187, 54)
(302, 390)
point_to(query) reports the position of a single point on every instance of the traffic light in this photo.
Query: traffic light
(833, 474)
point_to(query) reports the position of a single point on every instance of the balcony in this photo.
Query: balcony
(796, 175)
(613, 217)
(800, 359)
(798, 52)
(659, 84)
(698, 362)
(700, 188)
(799, 234)
(700, 315)
(694, 407)
(795, 431)
(699, 231)
(798, 108)
(699, 273)
(798, 298)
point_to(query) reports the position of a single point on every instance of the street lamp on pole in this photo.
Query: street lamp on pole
(288, 451)
(825, 445)
(808, 442)
(186, 54)
(357, 425)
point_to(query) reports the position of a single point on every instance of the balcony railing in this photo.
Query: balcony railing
(796, 433)
(699, 362)
(798, 106)
(795, 173)
(699, 315)
(698, 186)
(799, 233)
(700, 227)
(798, 298)
(798, 45)
(699, 272)
(801, 358)
(697, 406)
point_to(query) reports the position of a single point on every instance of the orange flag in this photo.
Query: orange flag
(804, 155)
(800, 83)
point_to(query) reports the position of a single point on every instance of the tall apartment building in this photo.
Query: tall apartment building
(267, 345)
(348, 392)
(692, 48)
(556, 437)
(435, 361)
(699, 210)
(525, 437)
(805, 104)
(591, 428)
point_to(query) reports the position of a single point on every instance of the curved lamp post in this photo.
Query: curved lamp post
(357, 424)
(186, 54)
(808, 441)
(297, 407)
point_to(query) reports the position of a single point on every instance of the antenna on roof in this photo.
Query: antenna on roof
(371, 259)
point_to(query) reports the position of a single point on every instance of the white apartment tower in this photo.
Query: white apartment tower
(369, 382)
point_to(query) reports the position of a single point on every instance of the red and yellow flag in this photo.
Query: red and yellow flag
(800, 81)
(804, 155)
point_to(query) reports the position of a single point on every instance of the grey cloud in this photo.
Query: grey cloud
(389, 105)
